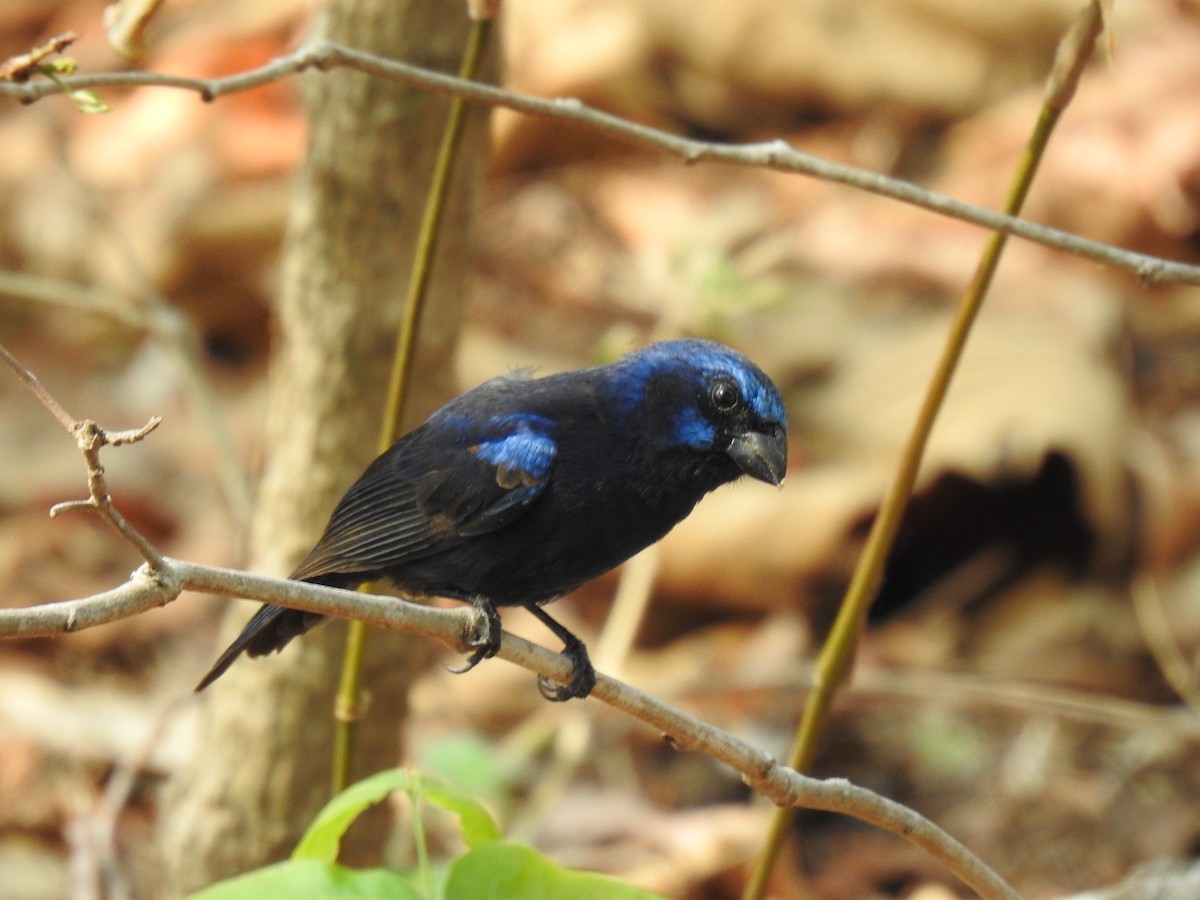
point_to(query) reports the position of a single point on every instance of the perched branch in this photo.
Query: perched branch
(146, 589)
(156, 586)
(777, 155)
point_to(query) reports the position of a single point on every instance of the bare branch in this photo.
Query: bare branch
(777, 155)
(145, 307)
(66, 506)
(31, 381)
(148, 588)
(117, 438)
(90, 437)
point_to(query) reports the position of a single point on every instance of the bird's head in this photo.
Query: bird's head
(706, 397)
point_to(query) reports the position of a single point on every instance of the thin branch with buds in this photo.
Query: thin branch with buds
(21, 68)
(777, 155)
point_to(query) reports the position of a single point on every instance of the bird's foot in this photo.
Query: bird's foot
(483, 635)
(583, 675)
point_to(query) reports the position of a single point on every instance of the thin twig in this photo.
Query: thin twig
(90, 437)
(153, 313)
(144, 591)
(178, 333)
(31, 381)
(763, 774)
(777, 155)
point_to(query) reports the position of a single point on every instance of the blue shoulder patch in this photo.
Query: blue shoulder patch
(524, 455)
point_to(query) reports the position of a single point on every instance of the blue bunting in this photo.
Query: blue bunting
(522, 489)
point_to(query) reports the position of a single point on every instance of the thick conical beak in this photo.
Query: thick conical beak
(761, 456)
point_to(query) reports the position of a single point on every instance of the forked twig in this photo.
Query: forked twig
(90, 437)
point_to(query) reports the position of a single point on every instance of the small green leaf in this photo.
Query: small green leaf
(63, 65)
(506, 871)
(323, 837)
(478, 826)
(85, 100)
(310, 879)
(89, 102)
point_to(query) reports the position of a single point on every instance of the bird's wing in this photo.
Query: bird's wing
(431, 493)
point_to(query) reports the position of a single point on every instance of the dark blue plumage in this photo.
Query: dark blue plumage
(522, 489)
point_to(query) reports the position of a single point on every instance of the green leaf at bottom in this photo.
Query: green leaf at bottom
(310, 879)
(506, 871)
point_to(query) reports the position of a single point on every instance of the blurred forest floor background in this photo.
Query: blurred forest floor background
(1012, 686)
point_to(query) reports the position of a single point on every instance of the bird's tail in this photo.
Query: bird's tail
(270, 629)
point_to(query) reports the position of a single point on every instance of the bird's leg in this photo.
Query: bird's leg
(583, 675)
(483, 635)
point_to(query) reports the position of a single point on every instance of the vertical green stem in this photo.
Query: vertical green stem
(836, 660)
(420, 846)
(349, 705)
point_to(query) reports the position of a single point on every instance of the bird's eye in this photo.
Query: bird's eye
(725, 396)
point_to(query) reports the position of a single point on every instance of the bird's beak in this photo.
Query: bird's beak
(761, 456)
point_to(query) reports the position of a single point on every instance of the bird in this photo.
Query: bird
(522, 489)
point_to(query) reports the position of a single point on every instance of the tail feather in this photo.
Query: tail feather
(269, 630)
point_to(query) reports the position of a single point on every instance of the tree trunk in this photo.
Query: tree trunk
(263, 753)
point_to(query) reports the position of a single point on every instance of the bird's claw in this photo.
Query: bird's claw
(483, 635)
(583, 675)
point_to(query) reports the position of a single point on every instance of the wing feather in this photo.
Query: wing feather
(403, 508)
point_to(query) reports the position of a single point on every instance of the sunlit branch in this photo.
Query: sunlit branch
(777, 155)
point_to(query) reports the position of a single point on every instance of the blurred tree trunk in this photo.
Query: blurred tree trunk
(262, 757)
